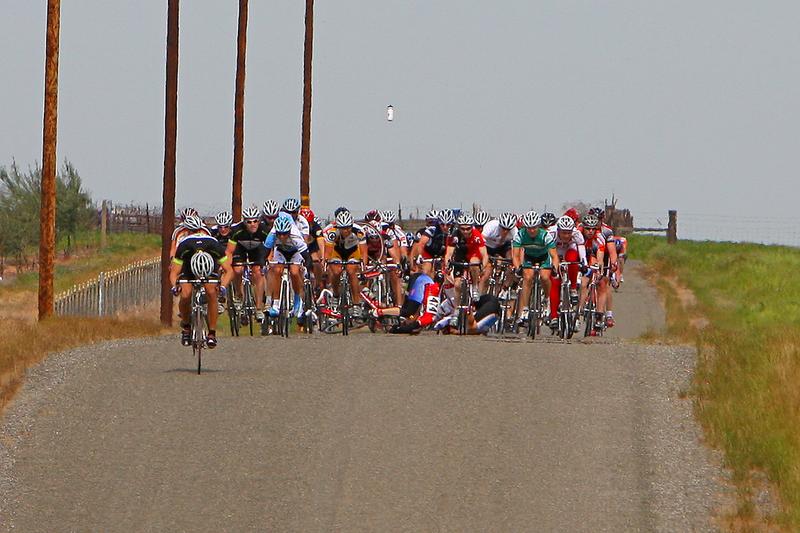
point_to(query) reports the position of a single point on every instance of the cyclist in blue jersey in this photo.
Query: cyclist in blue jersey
(286, 246)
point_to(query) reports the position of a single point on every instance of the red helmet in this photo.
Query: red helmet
(307, 214)
(573, 214)
(373, 215)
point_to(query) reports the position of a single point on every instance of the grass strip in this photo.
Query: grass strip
(26, 344)
(745, 321)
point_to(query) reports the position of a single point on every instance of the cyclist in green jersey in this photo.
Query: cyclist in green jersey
(534, 245)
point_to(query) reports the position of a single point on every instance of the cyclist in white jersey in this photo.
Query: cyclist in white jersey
(498, 234)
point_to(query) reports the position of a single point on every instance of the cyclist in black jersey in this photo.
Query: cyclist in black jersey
(433, 242)
(222, 230)
(194, 242)
(246, 243)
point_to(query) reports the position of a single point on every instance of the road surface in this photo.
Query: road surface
(365, 433)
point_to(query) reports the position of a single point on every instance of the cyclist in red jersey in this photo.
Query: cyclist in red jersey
(466, 245)
(595, 254)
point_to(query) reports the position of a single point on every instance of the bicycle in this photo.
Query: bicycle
(377, 283)
(595, 320)
(535, 304)
(498, 287)
(199, 316)
(567, 313)
(465, 298)
(248, 307)
(342, 315)
(234, 309)
(310, 315)
(281, 324)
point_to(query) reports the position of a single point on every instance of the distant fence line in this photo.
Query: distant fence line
(113, 292)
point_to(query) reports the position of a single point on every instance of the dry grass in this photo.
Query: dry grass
(26, 344)
(744, 318)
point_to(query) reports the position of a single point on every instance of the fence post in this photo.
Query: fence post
(672, 227)
(100, 293)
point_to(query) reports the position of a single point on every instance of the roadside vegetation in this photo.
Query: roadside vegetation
(743, 313)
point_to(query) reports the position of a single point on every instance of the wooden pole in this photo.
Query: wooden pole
(47, 217)
(672, 227)
(170, 142)
(238, 113)
(305, 151)
(104, 225)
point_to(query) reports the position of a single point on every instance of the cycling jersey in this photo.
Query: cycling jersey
(437, 240)
(249, 246)
(493, 237)
(193, 243)
(377, 243)
(537, 246)
(575, 242)
(622, 245)
(595, 244)
(223, 239)
(294, 244)
(315, 231)
(466, 247)
(344, 246)
(395, 232)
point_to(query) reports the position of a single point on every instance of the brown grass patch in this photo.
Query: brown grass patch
(26, 344)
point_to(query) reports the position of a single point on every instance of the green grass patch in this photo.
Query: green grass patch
(87, 260)
(747, 384)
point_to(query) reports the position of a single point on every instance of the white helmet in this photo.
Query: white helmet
(188, 212)
(250, 212)
(531, 219)
(432, 214)
(508, 220)
(193, 222)
(344, 220)
(271, 208)
(389, 217)
(446, 216)
(481, 218)
(565, 223)
(290, 205)
(202, 264)
(465, 219)
(224, 218)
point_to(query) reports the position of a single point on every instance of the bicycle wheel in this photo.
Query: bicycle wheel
(233, 312)
(588, 313)
(198, 336)
(344, 304)
(310, 315)
(462, 306)
(534, 310)
(286, 309)
(249, 305)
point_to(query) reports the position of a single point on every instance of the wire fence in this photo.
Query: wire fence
(113, 292)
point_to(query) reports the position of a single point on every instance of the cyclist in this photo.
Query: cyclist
(286, 246)
(621, 243)
(433, 242)
(498, 234)
(610, 264)
(198, 256)
(222, 230)
(397, 249)
(315, 247)
(246, 243)
(345, 240)
(181, 230)
(533, 245)
(570, 246)
(466, 245)
(269, 213)
(292, 206)
(573, 214)
(481, 218)
(596, 252)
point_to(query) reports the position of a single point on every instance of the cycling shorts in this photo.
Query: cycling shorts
(544, 261)
(256, 255)
(500, 251)
(295, 258)
(345, 255)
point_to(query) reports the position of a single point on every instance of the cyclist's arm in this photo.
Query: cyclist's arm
(364, 252)
(448, 254)
(582, 254)
(227, 271)
(484, 257)
(230, 248)
(516, 256)
(174, 271)
(554, 259)
(611, 248)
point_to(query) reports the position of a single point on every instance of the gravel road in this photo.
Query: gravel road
(365, 433)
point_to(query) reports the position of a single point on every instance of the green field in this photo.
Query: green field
(746, 324)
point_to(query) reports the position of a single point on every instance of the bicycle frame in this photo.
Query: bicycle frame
(199, 316)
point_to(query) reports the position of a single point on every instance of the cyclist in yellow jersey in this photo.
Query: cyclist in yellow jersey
(345, 241)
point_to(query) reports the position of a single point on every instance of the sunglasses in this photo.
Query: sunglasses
(251, 221)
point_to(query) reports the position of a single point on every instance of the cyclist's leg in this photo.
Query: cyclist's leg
(555, 295)
(185, 303)
(475, 273)
(334, 273)
(525, 297)
(355, 283)
(259, 276)
(213, 312)
(545, 278)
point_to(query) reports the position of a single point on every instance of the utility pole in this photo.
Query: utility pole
(238, 113)
(305, 152)
(47, 216)
(170, 141)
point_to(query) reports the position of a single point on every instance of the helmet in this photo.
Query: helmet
(290, 205)
(432, 215)
(202, 264)
(250, 212)
(283, 225)
(590, 221)
(307, 214)
(573, 214)
(373, 215)
(599, 212)
(465, 219)
(193, 222)
(446, 216)
(224, 218)
(271, 208)
(339, 210)
(409, 237)
(566, 223)
(481, 218)
(188, 212)
(531, 219)
(548, 219)
(344, 219)
(389, 217)
(508, 220)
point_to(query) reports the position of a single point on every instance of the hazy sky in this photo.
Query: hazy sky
(692, 105)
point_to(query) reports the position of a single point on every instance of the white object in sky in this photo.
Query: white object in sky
(390, 113)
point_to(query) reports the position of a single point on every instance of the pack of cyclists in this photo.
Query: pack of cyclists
(454, 274)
